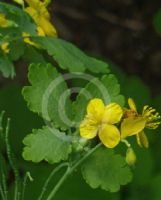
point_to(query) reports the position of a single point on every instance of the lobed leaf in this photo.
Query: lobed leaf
(69, 57)
(47, 144)
(48, 94)
(106, 170)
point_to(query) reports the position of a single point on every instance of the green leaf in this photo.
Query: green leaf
(47, 144)
(16, 49)
(157, 22)
(6, 66)
(106, 170)
(22, 22)
(69, 57)
(107, 88)
(32, 55)
(48, 95)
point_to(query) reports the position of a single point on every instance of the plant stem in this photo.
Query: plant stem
(60, 182)
(2, 193)
(70, 170)
(2, 171)
(10, 158)
(55, 170)
(24, 186)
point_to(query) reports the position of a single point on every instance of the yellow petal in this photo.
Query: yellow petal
(130, 156)
(33, 13)
(109, 136)
(113, 113)
(39, 7)
(5, 47)
(132, 104)
(3, 21)
(95, 109)
(47, 27)
(142, 139)
(32, 3)
(40, 31)
(132, 126)
(88, 129)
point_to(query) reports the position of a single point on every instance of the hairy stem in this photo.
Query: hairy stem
(3, 176)
(10, 158)
(24, 186)
(69, 171)
(2, 193)
(55, 170)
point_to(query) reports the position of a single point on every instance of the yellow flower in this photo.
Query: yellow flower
(26, 37)
(100, 120)
(134, 123)
(3, 21)
(4, 47)
(38, 11)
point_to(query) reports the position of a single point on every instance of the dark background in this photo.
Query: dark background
(119, 30)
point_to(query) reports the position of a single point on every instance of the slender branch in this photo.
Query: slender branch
(24, 186)
(70, 170)
(1, 127)
(55, 170)
(4, 182)
(10, 158)
(60, 182)
(2, 193)
(4, 185)
(85, 157)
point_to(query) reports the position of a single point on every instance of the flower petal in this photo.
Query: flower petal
(113, 113)
(109, 136)
(132, 126)
(95, 109)
(88, 129)
(47, 27)
(142, 139)
(132, 104)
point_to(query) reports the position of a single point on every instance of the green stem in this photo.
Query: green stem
(1, 127)
(70, 170)
(10, 158)
(126, 143)
(2, 193)
(4, 185)
(2, 171)
(60, 182)
(24, 186)
(55, 170)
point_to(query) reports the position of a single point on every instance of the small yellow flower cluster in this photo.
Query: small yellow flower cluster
(113, 124)
(3, 21)
(38, 11)
(4, 47)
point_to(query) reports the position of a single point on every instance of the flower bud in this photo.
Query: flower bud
(130, 156)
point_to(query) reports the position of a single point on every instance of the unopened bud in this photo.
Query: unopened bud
(130, 156)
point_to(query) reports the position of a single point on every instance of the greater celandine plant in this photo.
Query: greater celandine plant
(83, 123)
